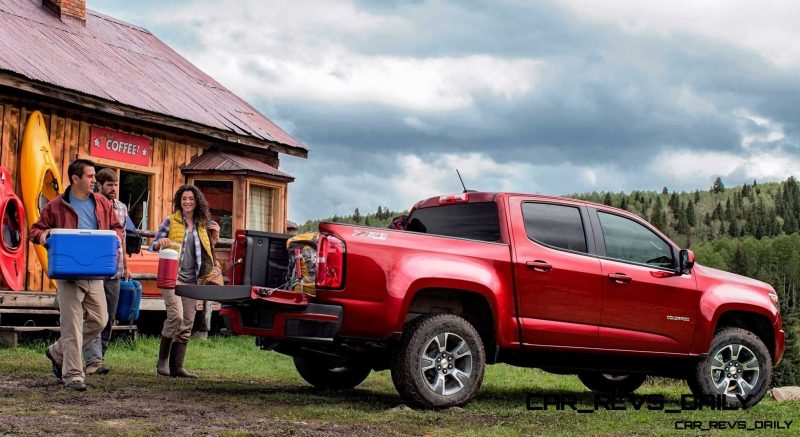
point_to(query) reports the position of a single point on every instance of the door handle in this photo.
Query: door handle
(539, 265)
(619, 278)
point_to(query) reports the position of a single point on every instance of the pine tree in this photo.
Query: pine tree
(673, 202)
(683, 225)
(696, 196)
(717, 215)
(733, 228)
(624, 203)
(730, 215)
(718, 186)
(691, 216)
(665, 191)
(379, 213)
(657, 217)
(356, 216)
(739, 261)
(366, 221)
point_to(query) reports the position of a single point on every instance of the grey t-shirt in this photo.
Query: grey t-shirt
(186, 272)
(87, 218)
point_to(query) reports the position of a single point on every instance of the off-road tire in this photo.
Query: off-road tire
(747, 372)
(323, 375)
(443, 340)
(604, 383)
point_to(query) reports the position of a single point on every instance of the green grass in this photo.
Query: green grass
(245, 391)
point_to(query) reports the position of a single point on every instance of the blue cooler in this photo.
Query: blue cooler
(130, 296)
(82, 254)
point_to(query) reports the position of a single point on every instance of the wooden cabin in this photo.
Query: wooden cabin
(114, 93)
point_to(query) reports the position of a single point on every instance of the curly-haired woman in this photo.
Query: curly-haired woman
(189, 227)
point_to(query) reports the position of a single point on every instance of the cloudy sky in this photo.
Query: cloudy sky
(549, 97)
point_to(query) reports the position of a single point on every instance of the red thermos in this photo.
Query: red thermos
(168, 263)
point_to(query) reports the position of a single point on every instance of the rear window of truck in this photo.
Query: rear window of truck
(475, 221)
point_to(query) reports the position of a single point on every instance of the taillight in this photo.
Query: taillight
(330, 262)
(453, 198)
(236, 262)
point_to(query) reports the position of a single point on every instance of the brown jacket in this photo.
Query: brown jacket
(60, 214)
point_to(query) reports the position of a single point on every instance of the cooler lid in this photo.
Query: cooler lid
(82, 232)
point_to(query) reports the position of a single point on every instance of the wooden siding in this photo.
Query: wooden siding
(69, 135)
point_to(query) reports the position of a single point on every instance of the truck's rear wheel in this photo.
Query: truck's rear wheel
(439, 363)
(322, 374)
(607, 383)
(738, 366)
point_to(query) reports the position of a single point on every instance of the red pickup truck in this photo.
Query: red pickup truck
(477, 278)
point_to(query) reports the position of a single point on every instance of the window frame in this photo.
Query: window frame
(278, 195)
(601, 244)
(588, 234)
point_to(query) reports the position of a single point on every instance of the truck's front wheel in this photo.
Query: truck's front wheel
(440, 362)
(322, 374)
(738, 366)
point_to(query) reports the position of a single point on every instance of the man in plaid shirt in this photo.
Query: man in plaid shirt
(95, 350)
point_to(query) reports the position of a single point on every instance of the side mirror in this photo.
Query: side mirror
(685, 261)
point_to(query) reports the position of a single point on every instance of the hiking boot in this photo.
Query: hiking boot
(97, 368)
(76, 385)
(56, 364)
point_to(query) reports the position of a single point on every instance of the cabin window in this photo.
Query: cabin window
(261, 207)
(219, 195)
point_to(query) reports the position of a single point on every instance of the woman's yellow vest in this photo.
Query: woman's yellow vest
(177, 230)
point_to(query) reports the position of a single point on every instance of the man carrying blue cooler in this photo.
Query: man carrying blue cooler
(95, 350)
(82, 303)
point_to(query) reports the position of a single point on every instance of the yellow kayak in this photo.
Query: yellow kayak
(38, 174)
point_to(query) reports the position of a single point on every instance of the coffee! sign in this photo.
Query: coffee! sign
(120, 146)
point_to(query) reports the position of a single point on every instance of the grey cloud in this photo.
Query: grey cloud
(606, 99)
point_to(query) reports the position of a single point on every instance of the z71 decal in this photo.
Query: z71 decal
(370, 234)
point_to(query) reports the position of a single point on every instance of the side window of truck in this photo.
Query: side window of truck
(630, 241)
(475, 221)
(559, 226)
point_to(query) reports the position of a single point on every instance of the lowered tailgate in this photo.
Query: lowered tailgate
(233, 294)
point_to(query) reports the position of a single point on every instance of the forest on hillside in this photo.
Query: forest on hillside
(752, 230)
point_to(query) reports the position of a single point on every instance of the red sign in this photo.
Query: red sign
(120, 146)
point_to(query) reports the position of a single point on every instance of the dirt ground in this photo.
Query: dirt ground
(133, 409)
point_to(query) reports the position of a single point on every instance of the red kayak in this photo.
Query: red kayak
(12, 253)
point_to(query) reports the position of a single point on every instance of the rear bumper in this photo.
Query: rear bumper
(313, 323)
(270, 313)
